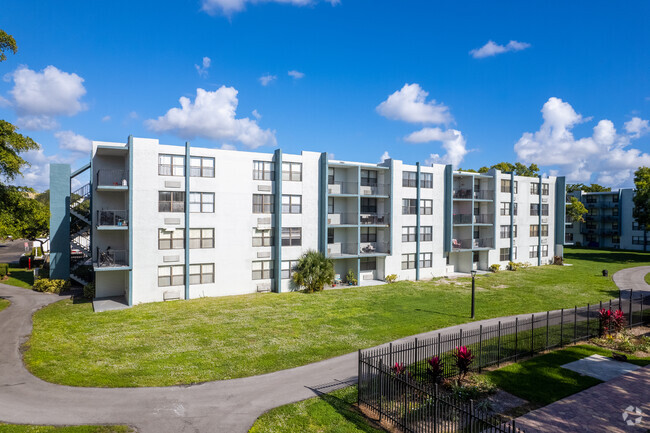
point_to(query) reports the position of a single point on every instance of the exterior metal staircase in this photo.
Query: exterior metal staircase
(80, 236)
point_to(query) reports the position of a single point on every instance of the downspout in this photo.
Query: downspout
(277, 259)
(417, 223)
(130, 184)
(512, 215)
(539, 228)
(187, 220)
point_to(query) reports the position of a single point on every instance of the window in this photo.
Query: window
(368, 178)
(291, 204)
(568, 237)
(292, 171)
(615, 210)
(534, 188)
(408, 261)
(330, 236)
(263, 203)
(514, 253)
(201, 238)
(615, 199)
(505, 208)
(263, 270)
(505, 232)
(425, 260)
(533, 252)
(544, 209)
(504, 254)
(408, 234)
(368, 205)
(171, 275)
(544, 229)
(368, 234)
(426, 233)
(636, 226)
(409, 179)
(637, 240)
(171, 201)
(202, 274)
(515, 210)
(544, 250)
(426, 207)
(288, 268)
(263, 170)
(545, 189)
(409, 206)
(291, 236)
(591, 199)
(171, 165)
(426, 180)
(534, 230)
(201, 166)
(368, 264)
(171, 239)
(202, 202)
(330, 176)
(534, 209)
(330, 205)
(616, 239)
(505, 185)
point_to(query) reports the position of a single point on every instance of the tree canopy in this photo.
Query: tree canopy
(575, 210)
(313, 271)
(594, 187)
(7, 42)
(641, 210)
(518, 168)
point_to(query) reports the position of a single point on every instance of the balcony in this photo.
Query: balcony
(113, 219)
(342, 219)
(343, 249)
(471, 244)
(462, 219)
(116, 180)
(463, 194)
(568, 238)
(484, 219)
(374, 248)
(109, 259)
(376, 189)
(375, 219)
(484, 195)
(343, 188)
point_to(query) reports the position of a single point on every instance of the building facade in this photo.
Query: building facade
(609, 222)
(174, 222)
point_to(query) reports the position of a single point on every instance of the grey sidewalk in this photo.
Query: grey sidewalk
(222, 406)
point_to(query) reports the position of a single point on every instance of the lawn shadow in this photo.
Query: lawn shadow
(26, 276)
(608, 256)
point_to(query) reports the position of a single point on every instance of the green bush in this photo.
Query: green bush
(495, 267)
(4, 270)
(51, 286)
(351, 278)
(391, 278)
(89, 291)
(513, 266)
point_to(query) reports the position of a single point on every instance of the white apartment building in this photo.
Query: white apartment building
(180, 222)
(609, 222)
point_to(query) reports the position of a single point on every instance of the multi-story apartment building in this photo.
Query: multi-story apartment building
(174, 222)
(609, 222)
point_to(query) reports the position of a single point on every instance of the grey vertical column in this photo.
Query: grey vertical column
(512, 216)
(417, 223)
(560, 215)
(539, 224)
(130, 214)
(322, 205)
(448, 219)
(358, 224)
(392, 211)
(187, 220)
(277, 228)
(60, 221)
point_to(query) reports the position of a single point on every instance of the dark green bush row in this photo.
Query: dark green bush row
(4, 269)
(51, 286)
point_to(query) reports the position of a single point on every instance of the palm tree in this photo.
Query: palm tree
(313, 271)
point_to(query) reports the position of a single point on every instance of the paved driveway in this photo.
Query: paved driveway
(11, 251)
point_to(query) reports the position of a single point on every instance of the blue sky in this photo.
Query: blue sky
(571, 92)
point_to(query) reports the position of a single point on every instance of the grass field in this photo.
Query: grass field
(647, 278)
(20, 277)
(4, 304)
(13, 428)
(220, 338)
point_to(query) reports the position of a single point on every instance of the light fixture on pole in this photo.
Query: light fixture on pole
(473, 272)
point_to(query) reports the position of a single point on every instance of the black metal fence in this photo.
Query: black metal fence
(408, 401)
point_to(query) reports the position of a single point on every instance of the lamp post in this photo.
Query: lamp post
(473, 290)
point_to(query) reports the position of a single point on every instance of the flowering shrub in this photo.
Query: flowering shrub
(464, 359)
(399, 370)
(618, 320)
(435, 368)
(611, 320)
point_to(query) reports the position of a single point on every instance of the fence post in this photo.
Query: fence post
(642, 321)
(381, 387)
(516, 335)
(471, 415)
(499, 344)
(480, 347)
(390, 355)
(435, 409)
(532, 334)
(630, 321)
(359, 378)
(548, 313)
(588, 328)
(561, 326)
(575, 323)
(460, 344)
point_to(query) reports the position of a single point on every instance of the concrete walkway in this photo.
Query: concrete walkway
(221, 406)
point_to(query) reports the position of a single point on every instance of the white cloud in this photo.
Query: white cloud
(452, 141)
(296, 74)
(256, 115)
(228, 7)
(227, 146)
(492, 49)
(603, 154)
(265, 80)
(37, 123)
(212, 116)
(384, 156)
(37, 174)
(133, 115)
(106, 118)
(637, 127)
(203, 69)
(4, 102)
(409, 104)
(330, 156)
(74, 142)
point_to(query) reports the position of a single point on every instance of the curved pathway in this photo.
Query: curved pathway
(221, 406)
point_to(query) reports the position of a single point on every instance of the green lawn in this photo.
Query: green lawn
(20, 277)
(328, 413)
(221, 338)
(13, 428)
(647, 278)
(542, 381)
(4, 304)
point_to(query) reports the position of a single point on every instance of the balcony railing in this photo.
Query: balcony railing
(463, 193)
(374, 248)
(107, 177)
(378, 189)
(484, 243)
(463, 219)
(116, 218)
(484, 218)
(484, 195)
(342, 218)
(568, 238)
(468, 244)
(381, 218)
(110, 258)
(343, 249)
(343, 188)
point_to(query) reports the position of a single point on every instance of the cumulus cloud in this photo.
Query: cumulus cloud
(265, 80)
(227, 146)
(203, 69)
(384, 156)
(296, 74)
(409, 104)
(212, 115)
(637, 127)
(70, 141)
(492, 49)
(37, 174)
(452, 141)
(604, 154)
(256, 114)
(106, 118)
(228, 7)
(37, 97)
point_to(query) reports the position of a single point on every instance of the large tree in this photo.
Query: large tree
(518, 168)
(641, 210)
(594, 187)
(575, 210)
(313, 271)
(7, 42)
